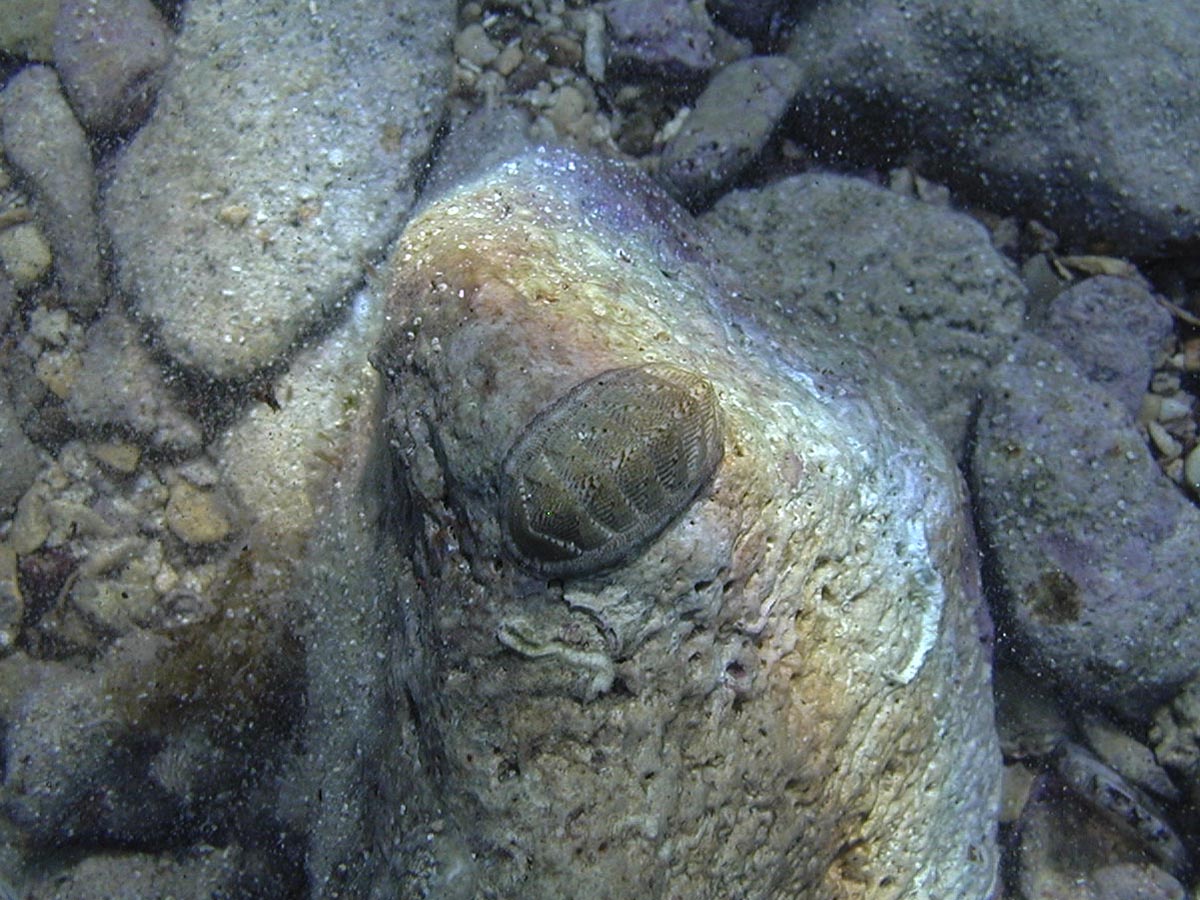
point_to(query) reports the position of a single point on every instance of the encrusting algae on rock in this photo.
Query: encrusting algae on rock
(766, 680)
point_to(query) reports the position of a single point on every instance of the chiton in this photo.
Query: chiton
(603, 470)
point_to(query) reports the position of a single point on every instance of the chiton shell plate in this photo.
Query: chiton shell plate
(603, 470)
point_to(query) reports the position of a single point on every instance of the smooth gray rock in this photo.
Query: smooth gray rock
(1094, 548)
(120, 387)
(728, 127)
(1083, 114)
(1114, 330)
(50, 151)
(111, 57)
(279, 160)
(919, 286)
(664, 38)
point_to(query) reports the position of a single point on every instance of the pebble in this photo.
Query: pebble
(25, 255)
(1167, 445)
(119, 457)
(326, 165)
(120, 875)
(1191, 470)
(47, 146)
(111, 57)
(728, 127)
(31, 524)
(473, 45)
(196, 516)
(59, 371)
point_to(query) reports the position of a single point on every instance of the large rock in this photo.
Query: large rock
(1094, 548)
(1083, 114)
(781, 692)
(274, 167)
(919, 285)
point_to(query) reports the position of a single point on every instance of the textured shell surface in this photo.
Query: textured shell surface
(603, 470)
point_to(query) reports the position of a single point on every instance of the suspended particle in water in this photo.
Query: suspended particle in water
(601, 472)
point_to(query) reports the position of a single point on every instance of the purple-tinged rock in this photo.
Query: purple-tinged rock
(1114, 329)
(111, 57)
(50, 151)
(663, 38)
(1094, 547)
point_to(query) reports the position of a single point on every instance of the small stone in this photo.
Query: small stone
(235, 214)
(120, 457)
(473, 45)
(31, 525)
(195, 516)
(1163, 441)
(566, 109)
(1174, 406)
(1131, 758)
(1191, 470)
(562, 50)
(237, 125)
(508, 60)
(1014, 791)
(1089, 541)
(25, 255)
